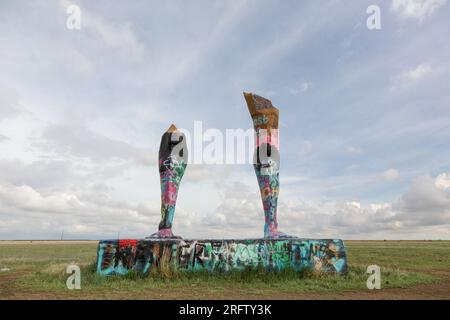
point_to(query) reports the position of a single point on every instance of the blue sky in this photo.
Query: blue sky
(364, 116)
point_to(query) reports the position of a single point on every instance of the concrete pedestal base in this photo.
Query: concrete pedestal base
(123, 256)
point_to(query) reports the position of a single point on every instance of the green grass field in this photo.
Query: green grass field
(410, 270)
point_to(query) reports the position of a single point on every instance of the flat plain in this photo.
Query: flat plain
(409, 270)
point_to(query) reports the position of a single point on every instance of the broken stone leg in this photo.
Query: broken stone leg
(266, 161)
(172, 164)
(275, 252)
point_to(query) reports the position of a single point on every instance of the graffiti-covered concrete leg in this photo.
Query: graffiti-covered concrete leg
(172, 164)
(267, 159)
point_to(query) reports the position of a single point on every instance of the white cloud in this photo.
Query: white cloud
(418, 73)
(354, 204)
(416, 9)
(414, 215)
(3, 138)
(302, 88)
(9, 104)
(443, 181)
(410, 77)
(425, 203)
(78, 140)
(201, 172)
(305, 86)
(354, 150)
(294, 179)
(26, 198)
(38, 173)
(121, 37)
(423, 211)
(84, 213)
(390, 174)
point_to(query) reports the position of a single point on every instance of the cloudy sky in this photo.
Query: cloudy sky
(364, 116)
